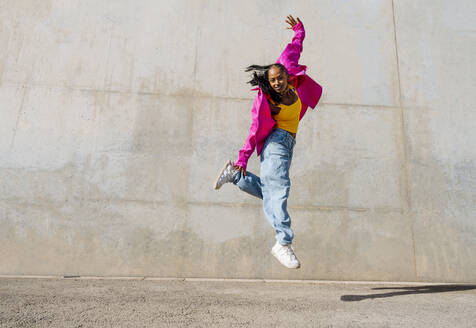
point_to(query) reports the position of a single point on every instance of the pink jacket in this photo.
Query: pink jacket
(308, 90)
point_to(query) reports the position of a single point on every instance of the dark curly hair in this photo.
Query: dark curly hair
(260, 78)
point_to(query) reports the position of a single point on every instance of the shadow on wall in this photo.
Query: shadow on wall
(408, 291)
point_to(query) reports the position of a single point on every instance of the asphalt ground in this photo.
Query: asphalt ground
(76, 302)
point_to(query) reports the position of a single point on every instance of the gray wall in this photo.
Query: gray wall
(117, 115)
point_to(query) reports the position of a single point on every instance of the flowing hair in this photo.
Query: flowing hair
(260, 78)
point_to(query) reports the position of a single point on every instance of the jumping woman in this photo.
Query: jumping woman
(284, 94)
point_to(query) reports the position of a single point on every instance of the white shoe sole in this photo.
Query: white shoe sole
(289, 267)
(215, 185)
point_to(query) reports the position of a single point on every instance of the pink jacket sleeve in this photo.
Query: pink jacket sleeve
(291, 54)
(250, 144)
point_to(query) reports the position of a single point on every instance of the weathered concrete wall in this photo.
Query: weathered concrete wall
(117, 115)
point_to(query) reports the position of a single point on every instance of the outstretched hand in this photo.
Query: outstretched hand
(291, 21)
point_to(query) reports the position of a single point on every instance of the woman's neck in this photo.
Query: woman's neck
(288, 97)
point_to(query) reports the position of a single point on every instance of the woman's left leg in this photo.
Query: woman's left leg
(275, 163)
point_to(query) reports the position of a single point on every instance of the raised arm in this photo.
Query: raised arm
(291, 54)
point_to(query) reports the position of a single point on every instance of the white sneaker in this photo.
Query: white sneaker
(226, 175)
(285, 255)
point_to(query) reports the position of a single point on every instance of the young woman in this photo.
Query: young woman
(284, 94)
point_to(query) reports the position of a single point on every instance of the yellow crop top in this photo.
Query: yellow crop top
(288, 117)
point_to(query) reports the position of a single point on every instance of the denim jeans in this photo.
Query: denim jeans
(273, 186)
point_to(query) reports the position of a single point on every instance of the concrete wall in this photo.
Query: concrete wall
(117, 115)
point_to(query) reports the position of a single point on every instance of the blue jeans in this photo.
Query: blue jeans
(273, 186)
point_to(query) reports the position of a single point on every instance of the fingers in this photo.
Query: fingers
(291, 21)
(288, 21)
(242, 170)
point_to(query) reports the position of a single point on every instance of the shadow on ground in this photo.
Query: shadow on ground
(408, 291)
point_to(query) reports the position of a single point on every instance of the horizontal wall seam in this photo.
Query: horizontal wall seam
(194, 95)
(325, 208)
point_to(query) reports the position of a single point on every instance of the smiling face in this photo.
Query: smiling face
(278, 79)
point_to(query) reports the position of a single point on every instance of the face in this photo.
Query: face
(278, 79)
